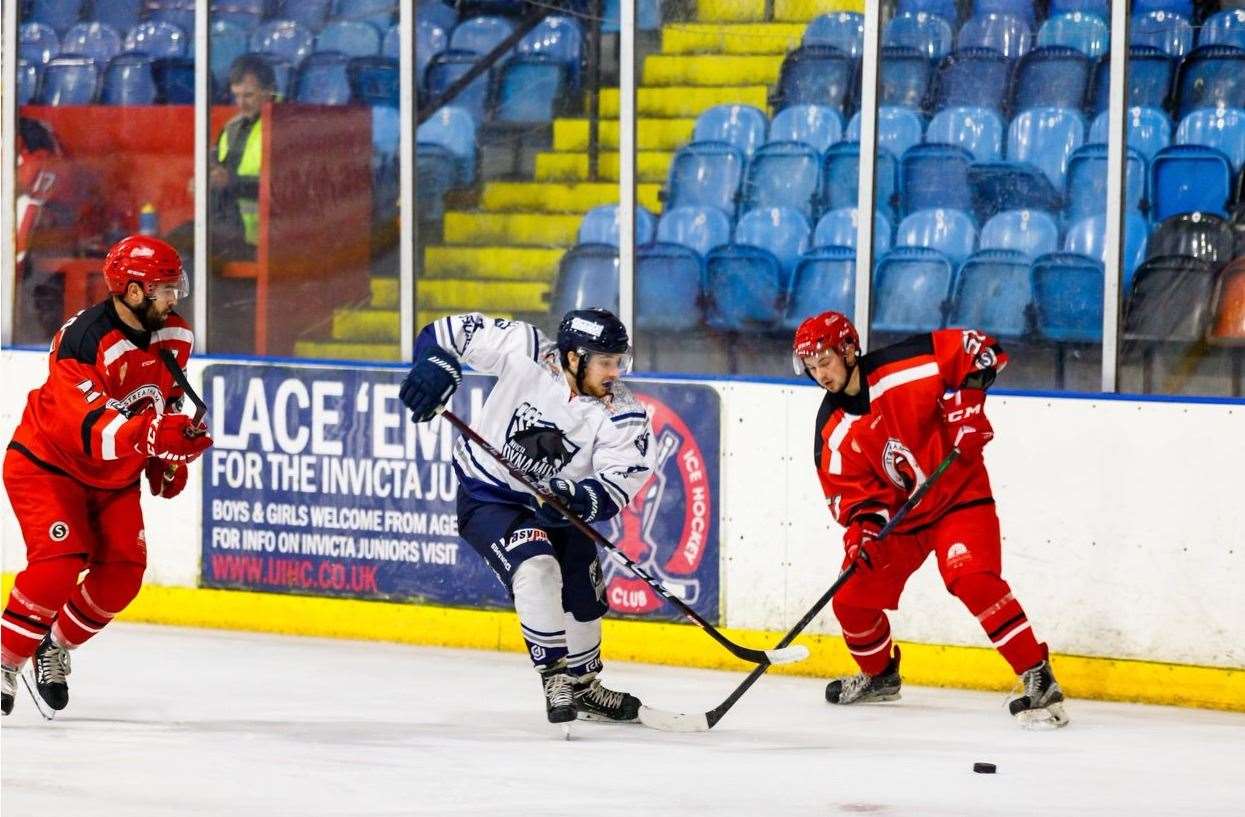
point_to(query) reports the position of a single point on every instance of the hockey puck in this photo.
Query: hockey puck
(985, 768)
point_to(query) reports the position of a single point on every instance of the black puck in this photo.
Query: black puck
(985, 768)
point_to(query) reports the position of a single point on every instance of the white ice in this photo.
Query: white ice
(166, 721)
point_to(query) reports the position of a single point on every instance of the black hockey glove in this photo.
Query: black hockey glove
(430, 383)
(586, 499)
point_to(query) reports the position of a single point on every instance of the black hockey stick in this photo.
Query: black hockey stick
(704, 721)
(179, 377)
(781, 655)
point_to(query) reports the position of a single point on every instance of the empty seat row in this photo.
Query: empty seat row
(61, 15)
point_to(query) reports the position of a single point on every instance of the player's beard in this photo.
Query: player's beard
(149, 316)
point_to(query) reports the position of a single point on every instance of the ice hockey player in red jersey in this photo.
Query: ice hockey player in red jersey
(106, 416)
(888, 419)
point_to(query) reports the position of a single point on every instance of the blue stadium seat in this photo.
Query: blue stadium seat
(1187, 179)
(454, 130)
(1170, 300)
(180, 13)
(977, 130)
(1170, 33)
(121, 15)
(1046, 137)
(993, 293)
(927, 33)
(38, 43)
(1212, 76)
(282, 72)
(817, 75)
(447, 67)
(840, 177)
(934, 176)
(824, 279)
(1182, 7)
(1000, 186)
(697, 228)
(898, 129)
(283, 38)
(430, 40)
(27, 81)
(480, 34)
(974, 78)
(95, 40)
(349, 37)
(56, 14)
(1087, 182)
(838, 228)
(226, 42)
(744, 288)
(587, 277)
(1150, 76)
(1051, 77)
(322, 79)
(379, 13)
(1008, 35)
(1205, 236)
(817, 126)
(374, 80)
(436, 11)
(157, 39)
(1084, 32)
(239, 16)
(386, 132)
(905, 75)
(844, 30)
(311, 14)
(391, 46)
(951, 232)
(1030, 232)
(783, 231)
(175, 80)
(740, 125)
(1225, 28)
(68, 81)
(1099, 8)
(530, 90)
(667, 288)
(1088, 237)
(910, 290)
(558, 37)
(647, 15)
(705, 174)
(783, 174)
(600, 226)
(1223, 129)
(1022, 9)
(1067, 298)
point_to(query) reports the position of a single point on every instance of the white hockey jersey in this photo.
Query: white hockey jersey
(533, 417)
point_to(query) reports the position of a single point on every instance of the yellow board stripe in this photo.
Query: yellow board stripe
(676, 644)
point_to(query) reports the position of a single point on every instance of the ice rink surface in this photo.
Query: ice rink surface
(166, 721)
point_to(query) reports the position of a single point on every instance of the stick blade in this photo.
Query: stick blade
(787, 655)
(673, 721)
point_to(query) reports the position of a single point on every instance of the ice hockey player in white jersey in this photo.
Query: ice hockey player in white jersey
(561, 415)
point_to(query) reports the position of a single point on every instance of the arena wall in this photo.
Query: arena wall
(1124, 537)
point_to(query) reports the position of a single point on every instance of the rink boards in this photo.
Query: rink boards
(1122, 537)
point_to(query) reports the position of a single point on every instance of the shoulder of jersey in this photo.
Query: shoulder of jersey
(81, 339)
(625, 403)
(879, 362)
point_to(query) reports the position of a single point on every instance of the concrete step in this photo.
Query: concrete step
(498, 264)
(347, 350)
(686, 100)
(651, 166)
(548, 197)
(651, 134)
(466, 295)
(384, 293)
(530, 229)
(711, 69)
(384, 325)
(738, 11)
(741, 38)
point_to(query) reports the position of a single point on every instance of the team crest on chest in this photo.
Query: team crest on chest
(901, 466)
(537, 446)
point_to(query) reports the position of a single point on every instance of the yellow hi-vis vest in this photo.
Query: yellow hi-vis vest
(249, 166)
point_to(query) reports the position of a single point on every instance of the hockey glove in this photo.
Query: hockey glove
(586, 499)
(861, 542)
(176, 438)
(430, 383)
(965, 416)
(166, 479)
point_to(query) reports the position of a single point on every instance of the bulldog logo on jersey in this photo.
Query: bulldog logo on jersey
(901, 466)
(536, 446)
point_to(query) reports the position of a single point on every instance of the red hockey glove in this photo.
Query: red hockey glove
(861, 542)
(176, 438)
(965, 415)
(166, 479)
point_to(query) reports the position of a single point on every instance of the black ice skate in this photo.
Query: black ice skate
(1040, 706)
(865, 689)
(8, 682)
(559, 693)
(51, 665)
(596, 702)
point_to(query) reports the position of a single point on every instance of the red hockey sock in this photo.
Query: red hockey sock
(106, 590)
(38, 592)
(989, 598)
(867, 633)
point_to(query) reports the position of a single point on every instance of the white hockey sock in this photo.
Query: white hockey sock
(583, 642)
(537, 587)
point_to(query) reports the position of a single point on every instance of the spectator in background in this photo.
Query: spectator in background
(234, 177)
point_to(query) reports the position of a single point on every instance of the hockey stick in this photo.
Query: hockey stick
(781, 655)
(704, 721)
(179, 377)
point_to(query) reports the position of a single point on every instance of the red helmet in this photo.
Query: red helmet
(829, 330)
(147, 261)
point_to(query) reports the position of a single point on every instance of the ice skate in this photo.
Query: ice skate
(8, 681)
(596, 702)
(1040, 706)
(863, 688)
(559, 693)
(50, 666)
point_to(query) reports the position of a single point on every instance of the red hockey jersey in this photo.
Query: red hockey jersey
(102, 375)
(874, 448)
